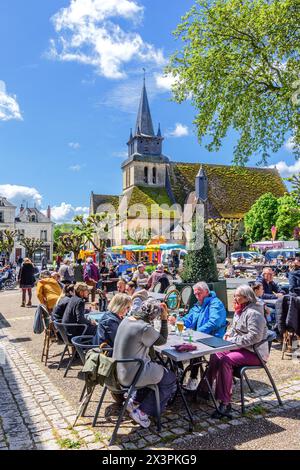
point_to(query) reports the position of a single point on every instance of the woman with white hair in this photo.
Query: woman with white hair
(108, 325)
(248, 328)
(135, 337)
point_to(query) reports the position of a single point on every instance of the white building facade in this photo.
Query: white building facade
(30, 223)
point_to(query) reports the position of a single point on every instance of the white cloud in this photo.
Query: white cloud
(120, 154)
(76, 167)
(66, 212)
(164, 82)
(285, 169)
(9, 108)
(87, 34)
(74, 145)
(290, 144)
(17, 194)
(179, 131)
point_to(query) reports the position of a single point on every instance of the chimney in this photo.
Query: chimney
(49, 212)
(201, 185)
(21, 207)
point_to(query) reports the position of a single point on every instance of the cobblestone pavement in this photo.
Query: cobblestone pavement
(35, 414)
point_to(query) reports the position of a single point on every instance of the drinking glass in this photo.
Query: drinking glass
(180, 327)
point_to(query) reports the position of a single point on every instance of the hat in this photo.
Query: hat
(141, 266)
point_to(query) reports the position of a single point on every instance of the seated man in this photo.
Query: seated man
(75, 310)
(294, 277)
(208, 315)
(270, 287)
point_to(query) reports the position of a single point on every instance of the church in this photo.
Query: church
(156, 188)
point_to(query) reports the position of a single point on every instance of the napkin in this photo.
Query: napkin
(185, 347)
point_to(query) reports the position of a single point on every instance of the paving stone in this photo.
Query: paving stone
(179, 431)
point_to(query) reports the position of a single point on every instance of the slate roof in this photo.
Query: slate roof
(27, 213)
(232, 190)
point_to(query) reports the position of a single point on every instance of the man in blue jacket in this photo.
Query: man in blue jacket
(208, 315)
(294, 277)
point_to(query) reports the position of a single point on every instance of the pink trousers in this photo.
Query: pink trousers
(221, 367)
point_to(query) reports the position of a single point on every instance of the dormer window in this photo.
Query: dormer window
(32, 218)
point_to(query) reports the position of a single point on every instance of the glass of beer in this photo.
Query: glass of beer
(180, 326)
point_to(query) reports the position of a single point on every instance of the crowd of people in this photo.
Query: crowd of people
(127, 325)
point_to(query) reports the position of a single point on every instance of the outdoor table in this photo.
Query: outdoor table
(94, 315)
(176, 357)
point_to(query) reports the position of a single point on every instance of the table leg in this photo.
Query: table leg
(179, 389)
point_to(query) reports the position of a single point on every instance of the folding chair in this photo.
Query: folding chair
(240, 373)
(129, 390)
(65, 330)
(50, 335)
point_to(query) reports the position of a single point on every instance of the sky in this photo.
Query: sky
(71, 73)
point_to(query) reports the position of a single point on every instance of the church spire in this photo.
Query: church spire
(144, 121)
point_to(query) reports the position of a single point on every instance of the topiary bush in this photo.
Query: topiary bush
(200, 265)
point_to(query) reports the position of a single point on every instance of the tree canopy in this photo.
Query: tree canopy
(240, 67)
(283, 213)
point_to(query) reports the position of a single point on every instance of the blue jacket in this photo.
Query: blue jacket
(294, 280)
(107, 329)
(210, 317)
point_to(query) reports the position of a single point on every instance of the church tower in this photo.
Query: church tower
(145, 165)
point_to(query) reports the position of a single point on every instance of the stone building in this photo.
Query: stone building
(153, 180)
(29, 222)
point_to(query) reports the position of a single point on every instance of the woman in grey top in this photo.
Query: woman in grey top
(135, 337)
(248, 328)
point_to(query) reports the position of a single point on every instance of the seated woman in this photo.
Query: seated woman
(248, 328)
(48, 290)
(138, 296)
(61, 305)
(135, 337)
(109, 323)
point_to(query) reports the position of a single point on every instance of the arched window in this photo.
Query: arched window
(154, 175)
(146, 174)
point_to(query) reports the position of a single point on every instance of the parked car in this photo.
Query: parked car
(248, 256)
(272, 255)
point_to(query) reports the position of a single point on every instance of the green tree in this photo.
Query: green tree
(295, 181)
(94, 229)
(260, 218)
(240, 66)
(288, 216)
(200, 264)
(71, 243)
(31, 245)
(226, 231)
(7, 241)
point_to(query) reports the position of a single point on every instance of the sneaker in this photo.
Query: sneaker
(191, 384)
(23, 304)
(29, 304)
(141, 418)
(131, 406)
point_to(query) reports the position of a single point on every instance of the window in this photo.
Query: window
(146, 174)
(154, 175)
(1, 217)
(32, 218)
(21, 234)
(44, 235)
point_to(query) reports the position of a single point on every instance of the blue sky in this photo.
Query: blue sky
(69, 93)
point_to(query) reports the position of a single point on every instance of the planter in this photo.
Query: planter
(218, 287)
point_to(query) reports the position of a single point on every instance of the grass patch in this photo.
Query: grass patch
(69, 444)
(167, 439)
(256, 410)
(99, 437)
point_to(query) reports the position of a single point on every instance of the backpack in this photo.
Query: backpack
(38, 323)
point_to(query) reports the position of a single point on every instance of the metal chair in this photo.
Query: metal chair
(186, 295)
(50, 335)
(240, 373)
(170, 288)
(67, 332)
(129, 390)
(172, 300)
(157, 287)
